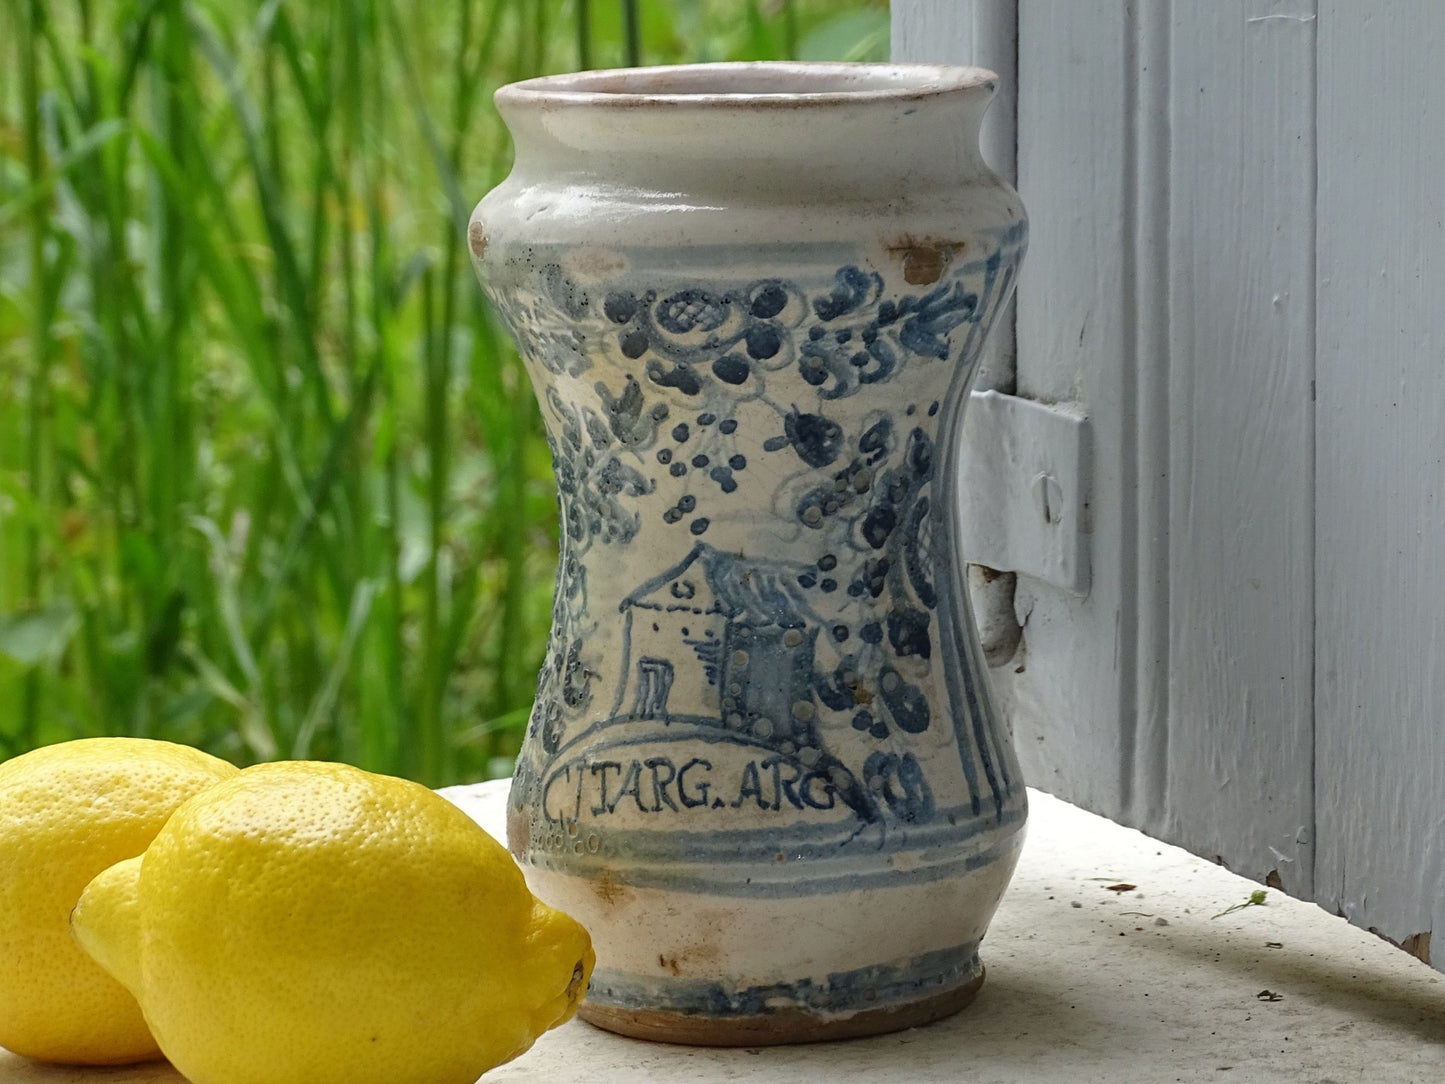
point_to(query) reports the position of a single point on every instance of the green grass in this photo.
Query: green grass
(272, 481)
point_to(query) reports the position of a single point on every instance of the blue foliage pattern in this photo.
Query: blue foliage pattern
(721, 414)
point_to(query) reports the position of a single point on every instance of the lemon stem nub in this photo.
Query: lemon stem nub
(106, 922)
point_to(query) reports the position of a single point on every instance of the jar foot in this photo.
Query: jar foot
(782, 1025)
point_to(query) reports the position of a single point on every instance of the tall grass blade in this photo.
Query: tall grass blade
(272, 481)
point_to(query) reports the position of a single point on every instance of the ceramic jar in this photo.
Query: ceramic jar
(763, 767)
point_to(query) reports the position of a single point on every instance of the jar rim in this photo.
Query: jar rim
(748, 84)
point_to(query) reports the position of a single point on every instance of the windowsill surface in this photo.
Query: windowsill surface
(1098, 992)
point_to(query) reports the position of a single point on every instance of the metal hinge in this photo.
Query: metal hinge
(1024, 500)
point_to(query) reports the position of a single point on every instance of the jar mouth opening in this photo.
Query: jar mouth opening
(753, 84)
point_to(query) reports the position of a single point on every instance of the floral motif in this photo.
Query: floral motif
(688, 413)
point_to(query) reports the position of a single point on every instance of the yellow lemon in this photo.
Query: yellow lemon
(309, 923)
(67, 812)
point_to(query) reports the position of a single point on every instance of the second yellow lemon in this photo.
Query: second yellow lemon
(67, 812)
(310, 923)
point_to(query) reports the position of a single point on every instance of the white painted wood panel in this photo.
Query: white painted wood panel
(1166, 154)
(1237, 273)
(1070, 690)
(1381, 466)
(1239, 338)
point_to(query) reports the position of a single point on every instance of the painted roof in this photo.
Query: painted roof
(709, 580)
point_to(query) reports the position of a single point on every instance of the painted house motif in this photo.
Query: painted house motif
(745, 625)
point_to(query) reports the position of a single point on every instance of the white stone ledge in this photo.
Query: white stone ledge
(1084, 985)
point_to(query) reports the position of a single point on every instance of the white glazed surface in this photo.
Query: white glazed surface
(870, 168)
(763, 768)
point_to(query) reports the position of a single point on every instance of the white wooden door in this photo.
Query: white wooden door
(1237, 275)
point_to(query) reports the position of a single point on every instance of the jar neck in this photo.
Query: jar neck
(827, 131)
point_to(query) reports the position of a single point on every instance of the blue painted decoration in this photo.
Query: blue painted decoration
(759, 635)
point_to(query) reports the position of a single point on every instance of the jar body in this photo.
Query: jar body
(763, 767)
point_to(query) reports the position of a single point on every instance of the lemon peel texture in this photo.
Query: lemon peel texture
(309, 923)
(67, 812)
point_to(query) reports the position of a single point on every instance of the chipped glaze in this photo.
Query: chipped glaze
(763, 766)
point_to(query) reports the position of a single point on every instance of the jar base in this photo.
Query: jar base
(780, 1027)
